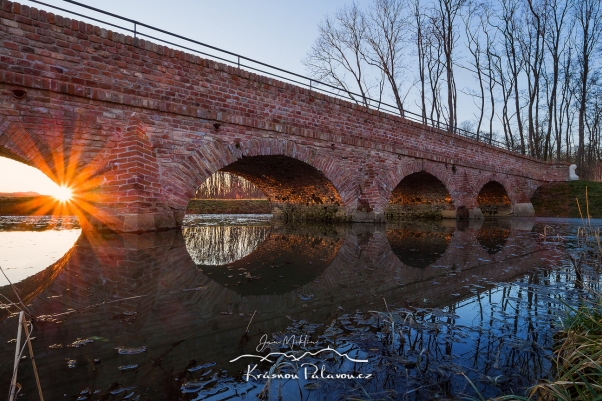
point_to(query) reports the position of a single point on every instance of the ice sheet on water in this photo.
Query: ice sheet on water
(131, 350)
(37, 223)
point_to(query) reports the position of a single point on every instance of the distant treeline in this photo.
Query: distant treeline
(228, 186)
(28, 205)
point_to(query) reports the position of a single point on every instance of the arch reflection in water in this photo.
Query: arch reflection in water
(144, 290)
(33, 251)
(419, 244)
(29, 245)
(220, 245)
(280, 262)
(493, 234)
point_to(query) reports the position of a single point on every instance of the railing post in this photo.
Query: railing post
(135, 29)
(239, 62)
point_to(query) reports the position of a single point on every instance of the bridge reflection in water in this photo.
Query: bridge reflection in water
(198, 307)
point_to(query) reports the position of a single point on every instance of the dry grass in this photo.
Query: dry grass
(578, 358)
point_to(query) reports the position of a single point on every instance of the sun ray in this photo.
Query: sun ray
(79, 173)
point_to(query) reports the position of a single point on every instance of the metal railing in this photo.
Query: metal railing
(238, 61)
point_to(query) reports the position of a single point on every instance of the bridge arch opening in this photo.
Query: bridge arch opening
(30, 190)
(493, 200)
(37, 230)
(295, 189)
(418, 195)
(263, 258)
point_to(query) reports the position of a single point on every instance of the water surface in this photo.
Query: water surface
(163, 315)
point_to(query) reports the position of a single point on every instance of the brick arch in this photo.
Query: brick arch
(519, 189)
(423, 203)
(23, 146)
(489, 177)
(342, 179)
(181, 182)
(442, 172)
(494, 199)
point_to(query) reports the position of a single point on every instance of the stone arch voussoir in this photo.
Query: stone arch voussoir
(440, 171)
(214, 155)
(26, 147)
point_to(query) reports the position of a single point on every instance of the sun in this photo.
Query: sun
(63, 194)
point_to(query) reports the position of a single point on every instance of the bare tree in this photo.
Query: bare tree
(490, 39)
(434, 66)
(387, 32)
(594, 126)
(566, 117)
(338, 53)
(420, 30)
(536, 63)
(446, 12)
(509, 29)
(588, 18)
(556, 42)
(507, 88)
(532, 49)
(223, 185)
(473, 20)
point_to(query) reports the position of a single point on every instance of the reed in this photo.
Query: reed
(589, 233)
(578, 357)
(578, 351)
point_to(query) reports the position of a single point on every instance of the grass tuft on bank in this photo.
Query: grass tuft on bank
(578, 358)
(558, 200)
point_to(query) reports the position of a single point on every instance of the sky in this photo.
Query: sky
(276, 32)
(19, 177)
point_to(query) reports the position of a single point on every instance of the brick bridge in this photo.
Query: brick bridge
(135, 128)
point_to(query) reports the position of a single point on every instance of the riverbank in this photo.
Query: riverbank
(25, 205)
(558, 200)
(553, 200)
(229, 206)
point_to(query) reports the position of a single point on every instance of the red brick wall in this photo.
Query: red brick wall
(87, 87)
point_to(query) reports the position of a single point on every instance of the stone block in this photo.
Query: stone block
(475, 213)
(523, 210)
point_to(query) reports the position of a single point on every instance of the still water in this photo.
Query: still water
(234, 307)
